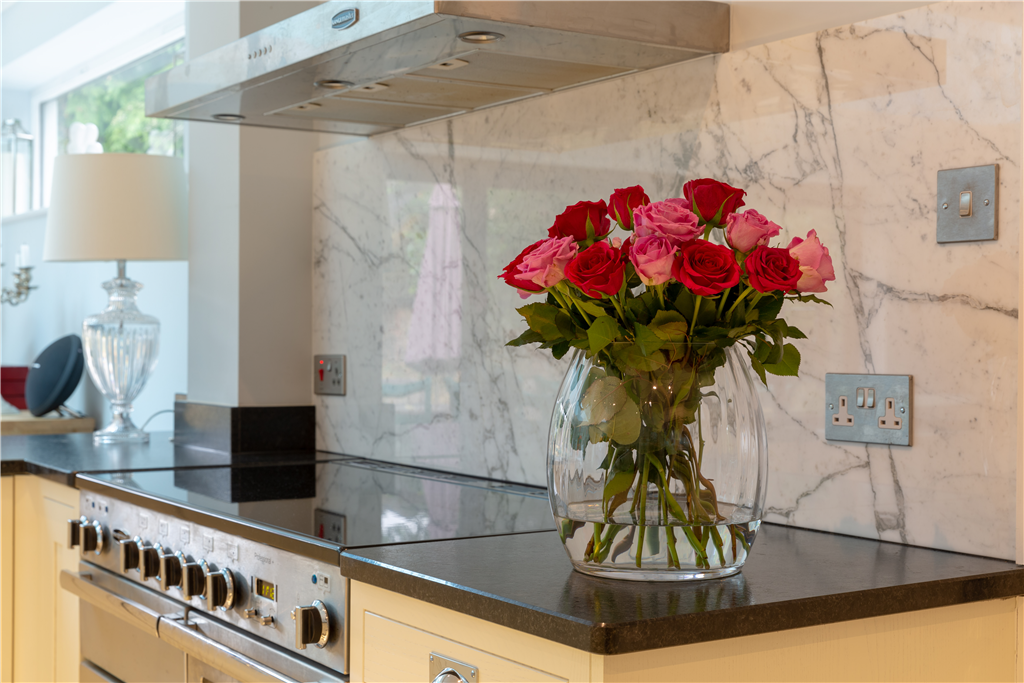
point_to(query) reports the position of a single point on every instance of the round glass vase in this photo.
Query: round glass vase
(658, 475)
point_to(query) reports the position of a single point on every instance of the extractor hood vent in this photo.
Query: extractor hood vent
(369, 67)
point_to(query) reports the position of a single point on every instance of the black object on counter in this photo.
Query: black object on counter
(54, 375)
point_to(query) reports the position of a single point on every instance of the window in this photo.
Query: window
(115, 103)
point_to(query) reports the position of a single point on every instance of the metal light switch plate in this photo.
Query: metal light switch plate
(869, 408)
(329, 374)
(967, 201)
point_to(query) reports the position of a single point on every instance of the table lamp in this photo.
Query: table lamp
(118, 207)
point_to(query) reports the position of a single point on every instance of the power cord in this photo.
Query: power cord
(159, 412)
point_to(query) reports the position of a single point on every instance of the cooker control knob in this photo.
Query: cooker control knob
(90, 536)
(128, 552)
(149, 559)
(220, 589)
(73, 532)
(193, 578)
(170, 570)
(312, 625)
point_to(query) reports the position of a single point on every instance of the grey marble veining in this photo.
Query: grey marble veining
(841, 131)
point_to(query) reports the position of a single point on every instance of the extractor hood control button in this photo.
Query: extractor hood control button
(312, 625)
(73, 535)
(149, 559)
(170, 570)
(128, 552)
(90, 536)
(220, 589)
(193, 577)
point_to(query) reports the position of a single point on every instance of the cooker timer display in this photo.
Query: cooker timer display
(265, 589)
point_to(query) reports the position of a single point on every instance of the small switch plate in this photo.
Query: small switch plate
(329, 525)
(892, 398)
(329, 375)
(971, 191)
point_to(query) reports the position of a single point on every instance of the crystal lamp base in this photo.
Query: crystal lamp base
(120, 430)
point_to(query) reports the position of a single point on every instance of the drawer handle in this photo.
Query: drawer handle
(446, 670)
(449, 675)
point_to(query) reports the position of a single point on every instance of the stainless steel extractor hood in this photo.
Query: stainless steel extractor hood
(369, 67)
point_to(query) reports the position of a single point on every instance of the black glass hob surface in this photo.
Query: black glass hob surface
(352, 502)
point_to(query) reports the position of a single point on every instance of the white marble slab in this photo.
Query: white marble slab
(841, 131)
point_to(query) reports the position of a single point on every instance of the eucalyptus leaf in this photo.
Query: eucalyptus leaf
(602, 331)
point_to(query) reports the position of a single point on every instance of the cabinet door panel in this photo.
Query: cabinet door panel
(398, 653)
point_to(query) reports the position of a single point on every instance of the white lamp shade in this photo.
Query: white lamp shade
(109, 207)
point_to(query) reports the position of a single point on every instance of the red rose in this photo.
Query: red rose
(706, 268)
(597, 270)
(511, 273)
(622, 203)
(712, 200)
(584, 221)
(771, 269)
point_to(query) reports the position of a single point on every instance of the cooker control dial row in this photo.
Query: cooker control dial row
(85, 534)
(170, 570)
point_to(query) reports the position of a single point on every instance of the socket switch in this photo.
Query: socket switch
(868, 408)
(329, 375)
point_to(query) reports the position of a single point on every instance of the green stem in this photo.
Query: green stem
(643, 510)
(580, 309)
(721, 304)
(670, 532)
(696, 313)
(736, 303)
(618, 307)
(658, 289)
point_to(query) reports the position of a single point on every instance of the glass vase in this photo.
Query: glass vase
(121, 346)
(658, 475)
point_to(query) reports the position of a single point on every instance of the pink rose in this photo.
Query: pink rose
(653, 256)
(748, 230)
(815, 263)
(670, 218)
(545, 265)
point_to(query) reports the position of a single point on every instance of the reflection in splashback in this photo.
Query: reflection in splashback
(841, 131)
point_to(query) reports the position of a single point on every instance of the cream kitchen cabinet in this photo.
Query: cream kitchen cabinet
(40, 621)
(393, 637)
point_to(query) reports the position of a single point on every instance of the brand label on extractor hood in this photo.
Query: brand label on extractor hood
(344, 19)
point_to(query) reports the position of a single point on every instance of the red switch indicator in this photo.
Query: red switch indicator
(321, 374)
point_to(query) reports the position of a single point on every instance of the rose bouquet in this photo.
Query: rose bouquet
(654, 316)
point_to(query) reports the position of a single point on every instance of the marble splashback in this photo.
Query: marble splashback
(841, 131)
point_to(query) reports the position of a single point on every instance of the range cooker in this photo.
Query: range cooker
(225, 573)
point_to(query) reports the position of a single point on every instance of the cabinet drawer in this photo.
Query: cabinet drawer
(398, 653)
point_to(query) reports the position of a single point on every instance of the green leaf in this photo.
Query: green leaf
(811, 297)
(566, 327)
(769, 306)
(632, 356)
(527, 337)
(684, 302)
(646, 339)
(607, 408)
(592, 308)
(560, 349)
(794, 333)
(670, 326)
(759, 369)
(602, 331)
(789, 366)
(542, 319)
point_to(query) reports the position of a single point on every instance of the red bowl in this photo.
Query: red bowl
(12, 385)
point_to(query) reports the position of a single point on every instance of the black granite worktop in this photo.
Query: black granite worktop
(60, 457)
(793, 578)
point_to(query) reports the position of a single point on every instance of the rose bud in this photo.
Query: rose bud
(597, 270)
(711, 199)
(653, 257)
(815, 264)
(749, 229)
(772, 270)
(583, 221)
(669, 218)
(705, 268)
(545, 265)
(511, 274)
(623, 202)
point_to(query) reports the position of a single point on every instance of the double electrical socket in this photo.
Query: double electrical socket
(868, 408)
